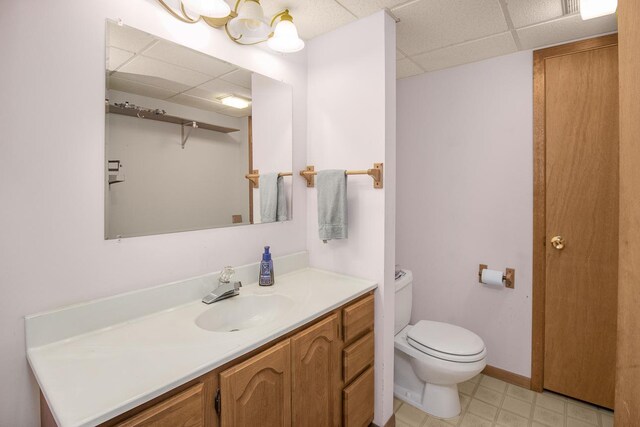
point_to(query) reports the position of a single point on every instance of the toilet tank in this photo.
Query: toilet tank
(404, 294)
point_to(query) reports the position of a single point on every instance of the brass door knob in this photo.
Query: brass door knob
(558, 242)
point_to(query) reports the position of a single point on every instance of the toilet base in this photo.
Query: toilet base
(441, 401)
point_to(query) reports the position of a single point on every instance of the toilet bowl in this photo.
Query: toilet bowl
(432, 358)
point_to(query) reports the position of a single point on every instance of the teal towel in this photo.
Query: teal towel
(273, 200)
(332, 204)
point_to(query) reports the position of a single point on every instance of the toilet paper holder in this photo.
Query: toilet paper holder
(509, 276)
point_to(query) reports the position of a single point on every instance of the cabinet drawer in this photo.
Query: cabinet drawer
(357, 357)
(185, 409)
(358, 318)
(358, 401)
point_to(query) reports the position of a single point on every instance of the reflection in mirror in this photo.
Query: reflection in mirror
(184, 130)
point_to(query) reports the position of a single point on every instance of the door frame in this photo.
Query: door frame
(539, 194)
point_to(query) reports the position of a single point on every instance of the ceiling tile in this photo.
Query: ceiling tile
(127, 38)
(116, 83)
(151, 81)
(216, 88)
(565, 29)
(477, 50)
(240, 77)
(144, 66)
(528, 12)
(116, 57)
(312, 17)
(407, 68)
(362, 8)
(432, 24)
(187, 58)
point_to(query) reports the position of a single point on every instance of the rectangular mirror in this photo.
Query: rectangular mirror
(187, 136)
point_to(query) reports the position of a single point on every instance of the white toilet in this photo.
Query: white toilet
(432, 358)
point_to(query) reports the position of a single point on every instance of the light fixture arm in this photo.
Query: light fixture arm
(184, 17)
(284, 16)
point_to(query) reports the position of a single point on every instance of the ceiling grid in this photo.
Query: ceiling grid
(437, 34)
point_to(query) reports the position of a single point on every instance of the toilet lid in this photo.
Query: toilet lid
(446, 341)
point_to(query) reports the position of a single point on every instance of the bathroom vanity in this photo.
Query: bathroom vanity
(321, 374)
(298, 353)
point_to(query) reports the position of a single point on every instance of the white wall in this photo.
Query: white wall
(465, 198)
(167, 188)
(52, 249)
(351, 125)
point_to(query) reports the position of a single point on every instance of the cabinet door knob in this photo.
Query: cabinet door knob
(558, 242)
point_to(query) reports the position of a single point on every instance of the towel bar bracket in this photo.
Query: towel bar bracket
(310, 177)
(377, 174)
(254, 178)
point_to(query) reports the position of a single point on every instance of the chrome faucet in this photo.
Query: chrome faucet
(226, 288)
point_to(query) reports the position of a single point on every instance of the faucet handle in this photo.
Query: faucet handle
(225, 276)
(237, 285)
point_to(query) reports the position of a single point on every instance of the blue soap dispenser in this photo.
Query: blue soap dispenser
(266, 269)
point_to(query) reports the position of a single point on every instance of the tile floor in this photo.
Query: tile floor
(487, 401)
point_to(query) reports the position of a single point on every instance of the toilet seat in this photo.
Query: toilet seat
(446, 342)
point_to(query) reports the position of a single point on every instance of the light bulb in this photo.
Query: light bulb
(285, 37)
(208, 8)
(590, 9)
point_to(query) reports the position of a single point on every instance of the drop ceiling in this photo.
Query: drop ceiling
(431, 35)
(145, 65)
(437, 34)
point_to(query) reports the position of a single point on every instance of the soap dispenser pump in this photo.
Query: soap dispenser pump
(266, 269)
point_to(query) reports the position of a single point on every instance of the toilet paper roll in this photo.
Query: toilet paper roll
(491, 277)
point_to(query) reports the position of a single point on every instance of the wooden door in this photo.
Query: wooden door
(580, 308)
(316, 375)
(257, 392)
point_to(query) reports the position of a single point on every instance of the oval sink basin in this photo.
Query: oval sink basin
(244, 312)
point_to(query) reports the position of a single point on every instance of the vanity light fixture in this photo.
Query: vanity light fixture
(245, 24)
(235, 102)
(590, 9)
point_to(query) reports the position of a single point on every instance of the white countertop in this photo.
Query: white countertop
(90, 378)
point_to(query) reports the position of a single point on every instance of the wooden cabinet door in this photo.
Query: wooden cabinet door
(185, 409)
(316, 375)
(257, 392)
